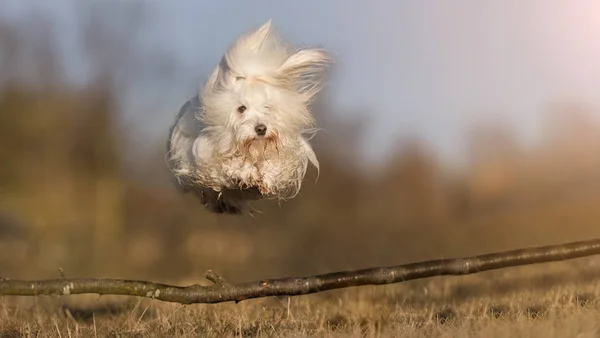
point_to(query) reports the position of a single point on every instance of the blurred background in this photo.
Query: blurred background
(450, 128)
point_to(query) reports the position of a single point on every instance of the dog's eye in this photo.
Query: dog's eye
(241, 109)
(239, 78)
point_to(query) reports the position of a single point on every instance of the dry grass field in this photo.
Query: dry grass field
(553, 300)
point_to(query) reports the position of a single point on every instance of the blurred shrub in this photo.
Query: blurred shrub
(71, 196)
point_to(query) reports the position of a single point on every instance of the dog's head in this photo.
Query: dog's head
(260, 92)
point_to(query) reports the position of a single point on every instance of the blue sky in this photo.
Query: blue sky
(427, 68)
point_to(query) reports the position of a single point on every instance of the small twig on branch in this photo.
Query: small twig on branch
(222, 291)
(216, 279)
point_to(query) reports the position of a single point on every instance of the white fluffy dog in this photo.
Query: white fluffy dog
(245, 136)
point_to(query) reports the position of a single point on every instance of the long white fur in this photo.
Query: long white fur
(214, 149)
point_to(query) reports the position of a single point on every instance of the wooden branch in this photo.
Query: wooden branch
(222, 291)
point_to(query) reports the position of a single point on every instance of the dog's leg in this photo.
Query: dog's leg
(269, 171)
(218, 203)
(239, 174)
(282, 178)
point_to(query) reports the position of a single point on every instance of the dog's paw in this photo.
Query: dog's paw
(266, 187)
(237, 183)
(255, 179)
(234, 179)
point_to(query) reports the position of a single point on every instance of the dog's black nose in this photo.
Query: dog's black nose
(261, 129)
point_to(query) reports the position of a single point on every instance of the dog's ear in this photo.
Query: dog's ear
(256, 39)
(214, 77)
(213, 81)
(305, 70)
(252, 41)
